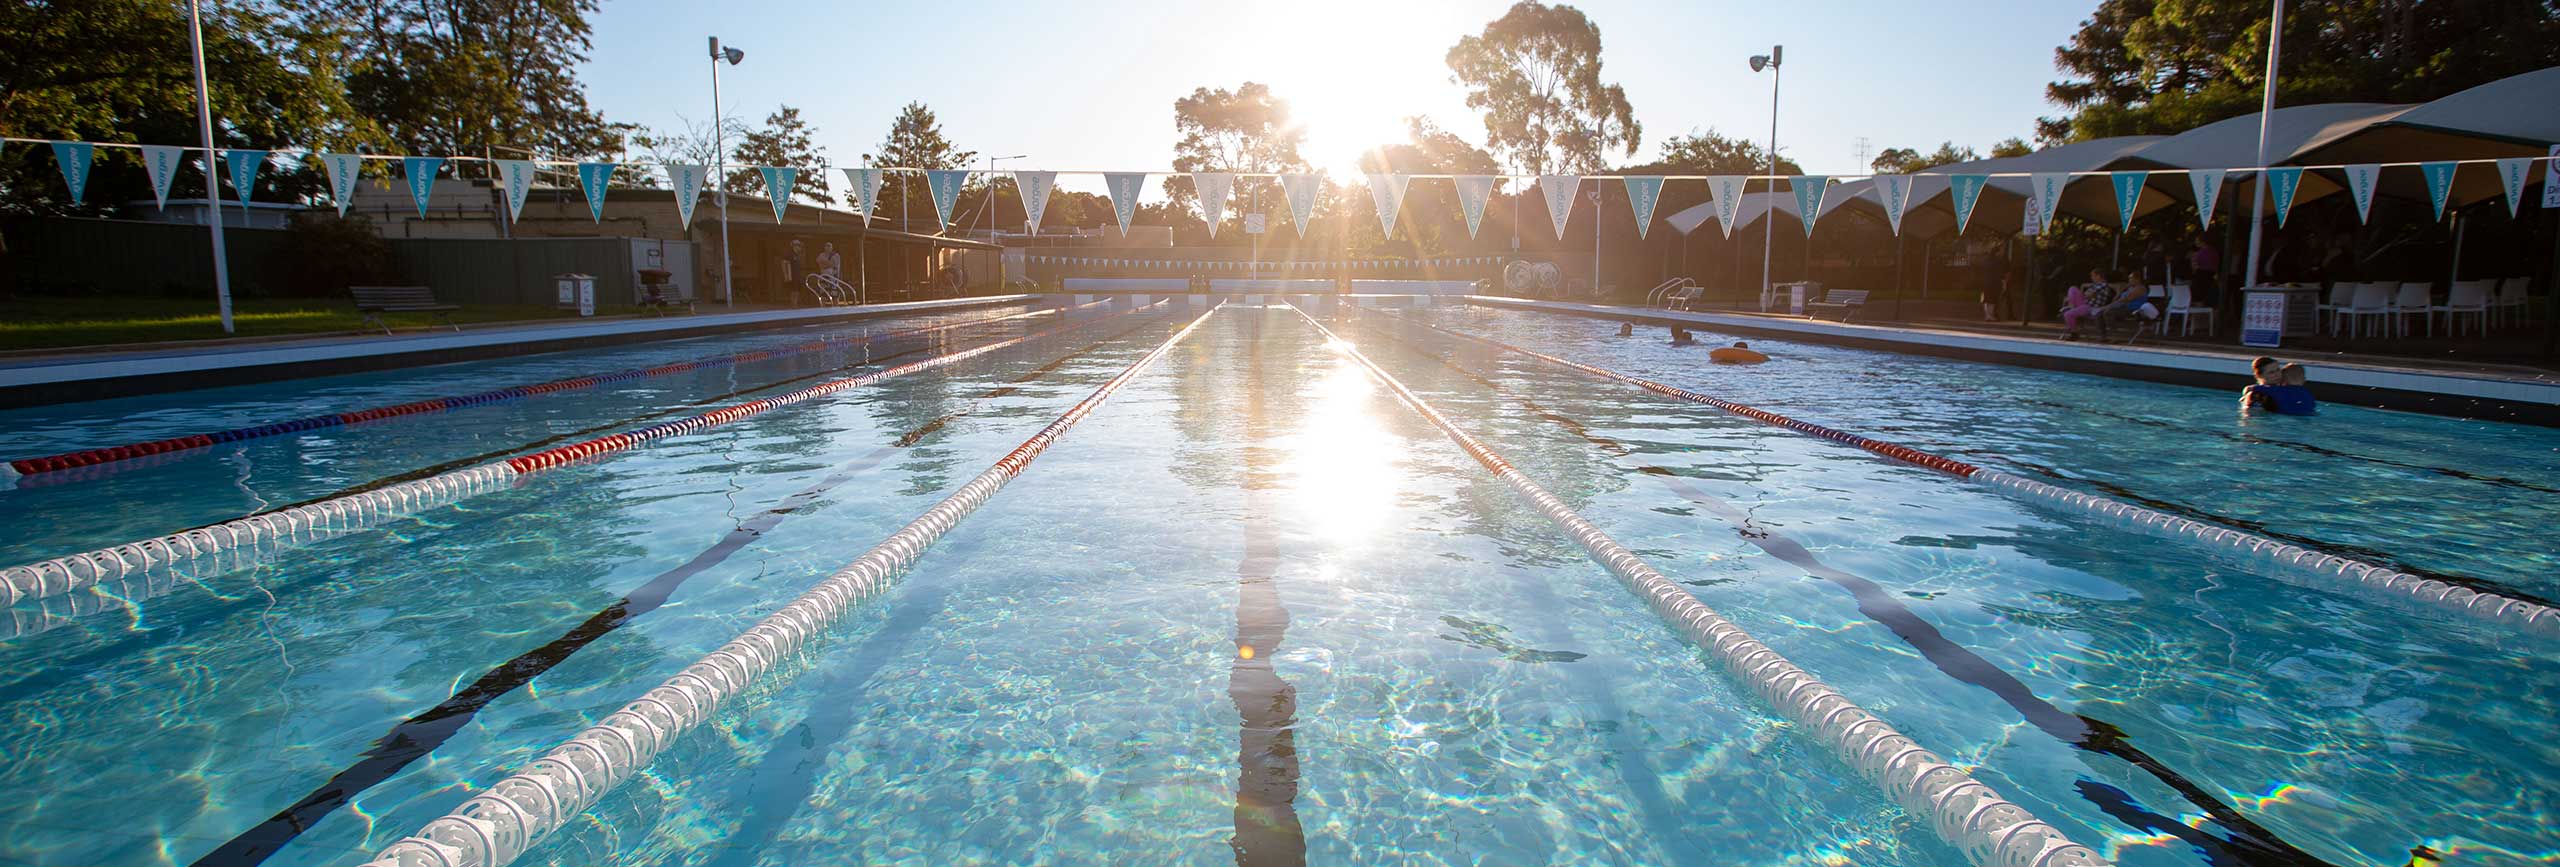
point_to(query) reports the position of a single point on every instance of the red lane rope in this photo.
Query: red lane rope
(1895, 451)
(130, 451)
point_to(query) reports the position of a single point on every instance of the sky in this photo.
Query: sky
(1090, 84)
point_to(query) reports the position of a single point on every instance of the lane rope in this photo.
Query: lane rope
(2526, 616)
(71, 460)
(514, 814)
(252, 538)
(1990, 830)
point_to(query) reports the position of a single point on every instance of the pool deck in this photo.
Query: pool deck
(64, 377)
(2480, 391)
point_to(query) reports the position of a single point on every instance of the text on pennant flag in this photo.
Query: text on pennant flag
(1213, 190)
(515, 178)
(2207, 186)
(1125, 188)
(594, 179)
(2044, 196)
(778, 181)
(1644, 193)
(161, 163)
(1387, 193)
(1559, 190)
(2360, 181)
(2439, 177)
(1473, 192)
(1965, 191)
(1726, 192)
(2512, 173)
(420, 174)
(343, 171)
(2551, 179)
(2128, 196)
(1035, 187)
(1809, 190)
(944, 185)
(686, 183)
(1893, 192)
(245, 164)
(75, 158)
(2282, 184)
(1301, 191)
(866, 190)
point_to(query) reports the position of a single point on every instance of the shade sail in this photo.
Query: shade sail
(2510, 117)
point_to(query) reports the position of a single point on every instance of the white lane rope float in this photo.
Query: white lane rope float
(251, 538)
(2528, 616)
(493, 828)
(1989, 829)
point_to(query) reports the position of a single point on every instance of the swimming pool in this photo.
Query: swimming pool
(1254, 609)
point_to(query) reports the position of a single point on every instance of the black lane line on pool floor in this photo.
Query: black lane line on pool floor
(1267, 830)
(415, 737)
(2250, 844)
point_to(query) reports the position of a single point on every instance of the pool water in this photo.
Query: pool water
(1254, 610)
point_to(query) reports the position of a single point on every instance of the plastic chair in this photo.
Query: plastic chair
(2182, 307)
(2509, 302)
(2466, 296)
(2371, 300)
(2341, 294)
(2417, 298)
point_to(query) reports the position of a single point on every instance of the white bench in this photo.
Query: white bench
(1847, 301)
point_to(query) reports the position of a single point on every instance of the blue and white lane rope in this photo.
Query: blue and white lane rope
(1990, 830)
(494, 827)
(2527, 616)
(249, 539)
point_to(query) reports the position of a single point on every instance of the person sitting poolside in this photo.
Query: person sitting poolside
(2081, 302)
(1739, 353)
(1680, 337)
(2131, 303)
(2281, 389)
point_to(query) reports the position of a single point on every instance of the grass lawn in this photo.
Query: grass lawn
(41, 322)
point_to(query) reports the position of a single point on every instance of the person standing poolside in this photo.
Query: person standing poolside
(830, 262)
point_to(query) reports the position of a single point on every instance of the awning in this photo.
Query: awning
(2510, 117)
(851, 227)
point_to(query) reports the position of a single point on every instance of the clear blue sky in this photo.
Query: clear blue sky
(1090, 84)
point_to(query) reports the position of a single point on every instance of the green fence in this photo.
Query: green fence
(517, 271)
(51, 255)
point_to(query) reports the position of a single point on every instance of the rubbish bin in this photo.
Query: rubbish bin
(577, 291)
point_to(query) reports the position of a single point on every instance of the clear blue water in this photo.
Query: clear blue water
(1439, 676)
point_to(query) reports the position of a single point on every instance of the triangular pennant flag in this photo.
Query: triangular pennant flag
(75, 157)
(1726, 192)
(1809, 190)
(2044, 194)
(778, 181)
(515, 177)
(686, 183)
(2512, 172)
(244, 163)
(595, 179)
(2360, 181)
(944, 185)
(2128, 196)
(2439, 183)
(1473, 192)
(1643, 193)
(2284, 182)
(1387, 192)
(1035, 187)
(2207, 184)
(1964, 192)
(1214, 188)
(866, 190)
(1894, 193)
(1301, 190)
(1559, 190)
(420, 173)
(161, 162)
(1125, 188)
(343, 170)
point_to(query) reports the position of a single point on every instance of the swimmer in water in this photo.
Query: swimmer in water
(1680, 337)
(1739, 353)
(1626, 329)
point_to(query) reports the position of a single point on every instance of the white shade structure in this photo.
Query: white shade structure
(2232, 143)
(2510, 117)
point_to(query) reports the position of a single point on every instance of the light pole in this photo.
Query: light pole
(2258, 186)
(987, 215)
(1597, 219)
(212, 173)
(1769, 214)
(720, 167)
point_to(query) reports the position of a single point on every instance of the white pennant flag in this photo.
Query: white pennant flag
(1214, 189)
(1473, 192)
(162, 162)
(1894, 193)
(1125, 188)
(687, 181)
(866, 190)
(2360, 181)
(2045, 194)
(1726, 192)
(1387, 192)
(1301, 190)
(515, 177)
(2207, 184)
(1035, 187)
(2512, 172)
(343, 170)
(1559, 190)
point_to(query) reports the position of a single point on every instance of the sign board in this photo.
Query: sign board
(2262, 320)
(2551, 179)
(2031, 226)
(1254, 223)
